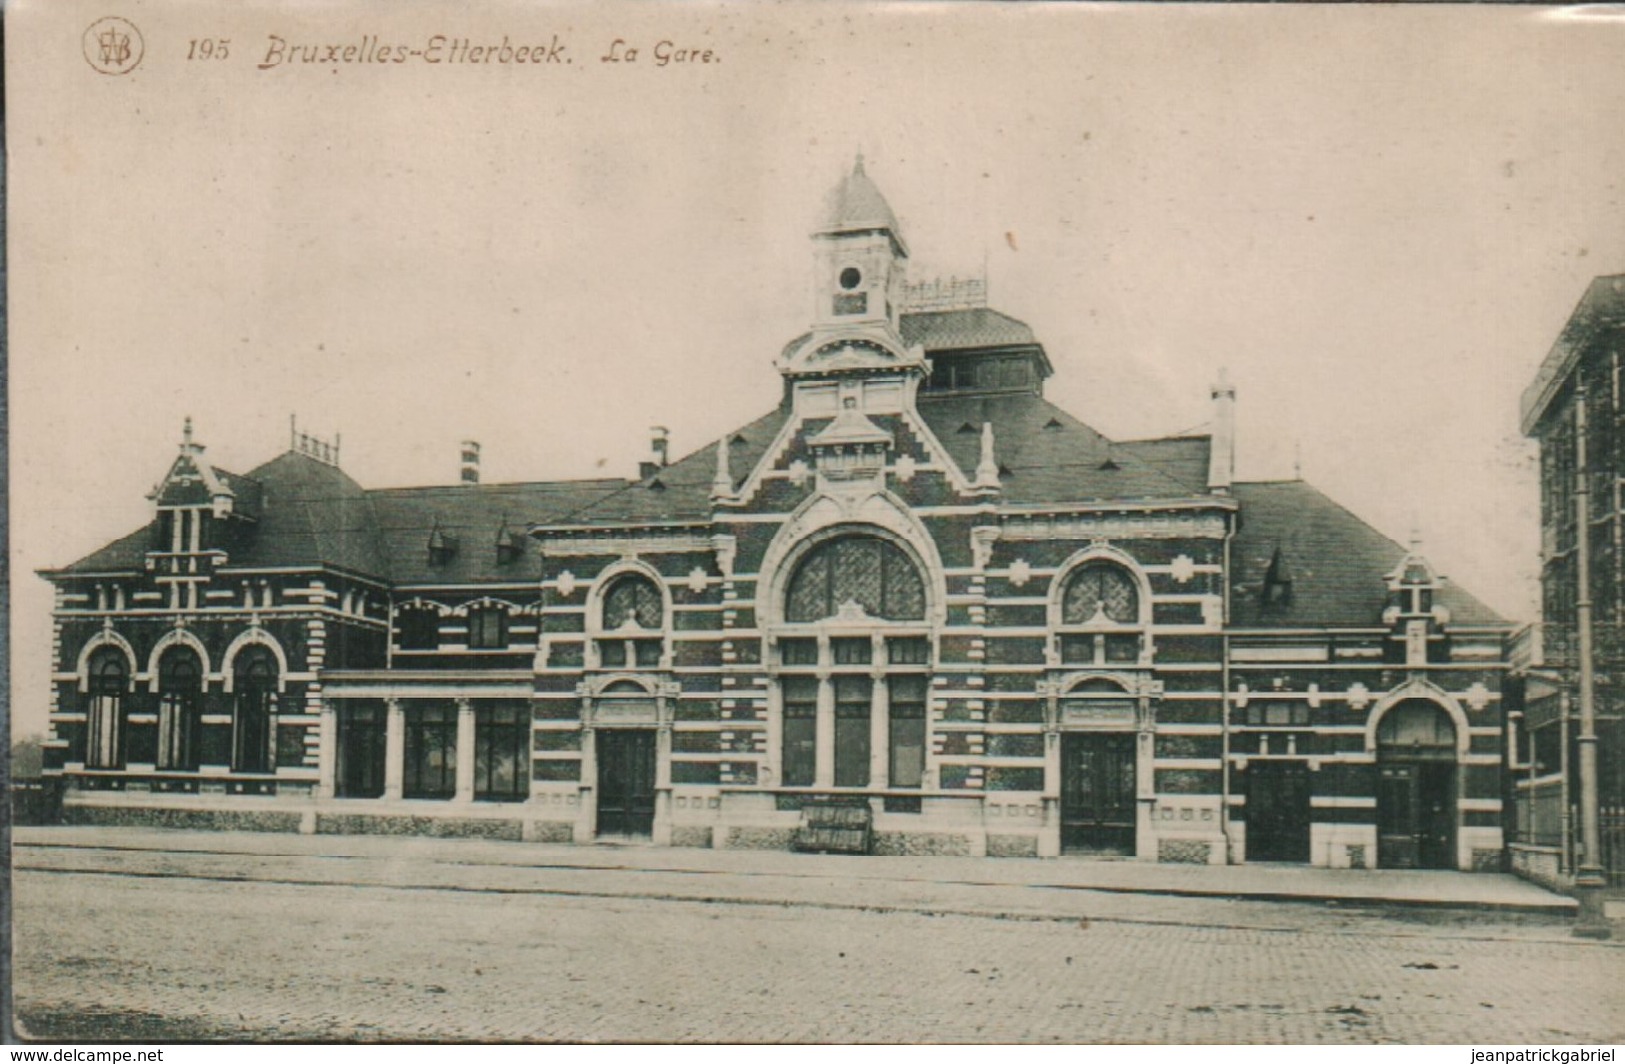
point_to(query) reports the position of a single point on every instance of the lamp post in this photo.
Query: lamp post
(1588, 880)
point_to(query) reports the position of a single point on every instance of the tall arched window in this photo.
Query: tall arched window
(632, 606)
(109, 688)
(180, 694)
(868, 571)
(255, 685)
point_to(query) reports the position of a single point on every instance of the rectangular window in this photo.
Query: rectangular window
(419, 629)
(488, 629)
(360, 769)
(907, 738)
(431, 751)
(852, 700)
(1122, 649)
(800, 730)
(911, 651)
(647, 653)
(501, 752)
(851, 651)
(1078, 649)
(798, 652)
(612, 653)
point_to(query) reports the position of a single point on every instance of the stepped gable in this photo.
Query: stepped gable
(681, 491)
(1045, 454)
(470, 519)
(1338, 563)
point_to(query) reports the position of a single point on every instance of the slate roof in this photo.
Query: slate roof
(120, 556)
(682, 490)
(313, 513)
(964, 329)
(1046, 455)
(855, 204)
(1337, 562)
(1600, 310)
(474, 515)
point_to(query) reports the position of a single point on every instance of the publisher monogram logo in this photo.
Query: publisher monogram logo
(113, 45)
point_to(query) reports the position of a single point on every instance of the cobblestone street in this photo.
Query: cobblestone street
(172, 945)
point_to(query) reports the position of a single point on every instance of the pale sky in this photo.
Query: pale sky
(1377, 218)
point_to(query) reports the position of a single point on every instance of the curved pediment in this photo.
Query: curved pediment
(823, 353)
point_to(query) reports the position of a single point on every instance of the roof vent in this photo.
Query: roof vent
(1052, 424)
(967, 428)
(656, 485)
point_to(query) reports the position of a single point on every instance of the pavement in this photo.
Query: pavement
(172, 936)
(1023, 878)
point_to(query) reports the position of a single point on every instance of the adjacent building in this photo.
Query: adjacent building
(915, 587)
(1578, 384)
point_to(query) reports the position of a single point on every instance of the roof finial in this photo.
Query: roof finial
(186, 432)
(987, 470)
(722, 484)
(1416, 534)
(857, 164)
(1297, 459)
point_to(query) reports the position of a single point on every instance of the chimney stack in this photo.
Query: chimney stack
(1222, 456)
(659, 452)
(471, 462)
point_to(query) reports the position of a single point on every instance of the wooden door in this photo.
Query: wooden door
(1416, 815)
(626, 781)
(1097, 792)
(1278, 811)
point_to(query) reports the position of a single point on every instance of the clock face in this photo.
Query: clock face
(851, 277)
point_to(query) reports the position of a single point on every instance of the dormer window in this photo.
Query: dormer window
(442, 547)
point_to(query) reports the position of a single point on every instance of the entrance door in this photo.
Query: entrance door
(626, 781)
(1277, 811)
(1097, 792)
(1416, 816)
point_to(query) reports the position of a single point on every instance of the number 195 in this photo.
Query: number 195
(208, 48)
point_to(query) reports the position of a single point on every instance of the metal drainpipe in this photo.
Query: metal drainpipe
(1588, 881)
(1224, 705)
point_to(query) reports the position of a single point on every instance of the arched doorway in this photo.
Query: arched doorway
(1416, 787)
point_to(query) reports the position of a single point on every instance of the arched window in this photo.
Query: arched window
(109, 687)
(180, 693)
(632, 605)
(1100, 590)
(632, 599)
(255, 685)
(1418, 727)
(868, 571)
